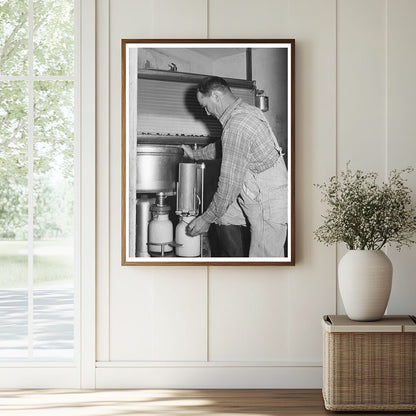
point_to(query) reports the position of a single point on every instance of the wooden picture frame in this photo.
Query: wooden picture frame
(163, 113)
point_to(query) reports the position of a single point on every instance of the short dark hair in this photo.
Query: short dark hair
(208, 84)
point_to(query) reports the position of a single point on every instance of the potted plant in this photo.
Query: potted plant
(366, 215)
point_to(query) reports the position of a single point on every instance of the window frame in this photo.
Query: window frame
(81, 371)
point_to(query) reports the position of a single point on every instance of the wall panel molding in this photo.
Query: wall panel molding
(210, 377)
(103, 174)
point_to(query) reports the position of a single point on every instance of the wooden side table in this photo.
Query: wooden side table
(369, 366)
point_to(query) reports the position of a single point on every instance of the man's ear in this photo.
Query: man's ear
(216, 95)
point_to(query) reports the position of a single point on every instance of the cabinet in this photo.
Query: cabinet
(369, 366)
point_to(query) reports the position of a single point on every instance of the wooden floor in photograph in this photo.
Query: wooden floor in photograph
(53, 402)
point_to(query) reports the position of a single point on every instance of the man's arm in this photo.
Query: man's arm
(236, 143)
(236, 147)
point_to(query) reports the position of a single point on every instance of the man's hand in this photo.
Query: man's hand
(197, 226)
(188, 151)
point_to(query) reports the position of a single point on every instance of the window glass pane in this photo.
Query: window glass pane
(53, 37)
(54, 165)
(13, 161)
(14, 322)
(13, 37)
(53, 197)
(53, 319)
(13, 219)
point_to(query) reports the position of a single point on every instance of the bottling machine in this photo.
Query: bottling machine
(165, 186)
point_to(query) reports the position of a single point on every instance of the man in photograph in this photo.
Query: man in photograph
(252, 187)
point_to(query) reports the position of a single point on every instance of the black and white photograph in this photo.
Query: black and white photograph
(208, 152)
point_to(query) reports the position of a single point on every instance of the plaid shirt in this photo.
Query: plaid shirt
(247, 144)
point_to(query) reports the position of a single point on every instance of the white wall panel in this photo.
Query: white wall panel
(354, 100)
(361, 84)
(248, 314)
(179, 19)
(145, 323)
(246, 19)
(312, 283)
(159, 18)
(159, 315)
(401, 144)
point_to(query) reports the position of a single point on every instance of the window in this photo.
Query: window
(38, 184)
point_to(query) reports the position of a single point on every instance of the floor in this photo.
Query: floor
(165, 402)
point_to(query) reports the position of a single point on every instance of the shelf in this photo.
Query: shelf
(175, 139)
(162, 75)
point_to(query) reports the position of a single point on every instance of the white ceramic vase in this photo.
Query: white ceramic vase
(364, 278)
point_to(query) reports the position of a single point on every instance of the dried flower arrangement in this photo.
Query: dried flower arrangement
(366, 215)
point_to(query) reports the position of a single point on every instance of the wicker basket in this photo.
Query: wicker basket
(369, 366)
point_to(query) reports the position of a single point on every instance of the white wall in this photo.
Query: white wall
(254, 326)
(269, 71)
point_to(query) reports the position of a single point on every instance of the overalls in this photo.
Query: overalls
(263, 202)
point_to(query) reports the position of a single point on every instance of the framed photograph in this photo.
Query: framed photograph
(208, 130)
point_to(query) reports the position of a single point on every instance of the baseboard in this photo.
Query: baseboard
(210, 377)
(39, 378)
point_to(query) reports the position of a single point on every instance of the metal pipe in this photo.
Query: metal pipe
(187, 189)
(249, 65)
(201, 183)
(202, 170)
(143, 217)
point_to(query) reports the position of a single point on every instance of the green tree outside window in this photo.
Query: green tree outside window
(36, 40)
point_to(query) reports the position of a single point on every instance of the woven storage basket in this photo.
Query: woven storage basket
(369, 366)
